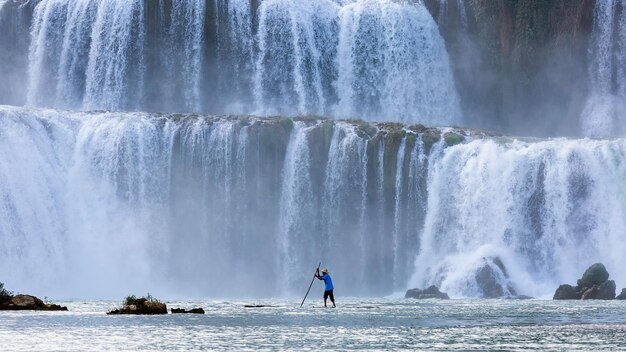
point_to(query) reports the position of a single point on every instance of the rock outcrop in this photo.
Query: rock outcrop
(143, 305)
(190, 311)
(430, 292)
(594, 284)
(622, 294)
(566, 291)
(28, 302)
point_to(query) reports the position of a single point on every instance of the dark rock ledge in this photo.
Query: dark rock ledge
(190, 311)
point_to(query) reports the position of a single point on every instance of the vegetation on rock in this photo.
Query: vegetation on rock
(594, 284)
(143, 305)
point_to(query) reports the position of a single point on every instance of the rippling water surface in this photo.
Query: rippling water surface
(375, 324)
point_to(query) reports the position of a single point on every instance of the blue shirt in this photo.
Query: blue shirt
(328, 282)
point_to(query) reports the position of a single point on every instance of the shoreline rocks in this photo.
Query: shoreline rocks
(594, 284)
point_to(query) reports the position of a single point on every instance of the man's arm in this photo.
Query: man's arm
(317, 274)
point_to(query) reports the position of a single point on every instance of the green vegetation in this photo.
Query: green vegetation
(4, 293)
(136, 301)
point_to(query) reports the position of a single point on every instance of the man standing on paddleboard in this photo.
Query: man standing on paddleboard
(328, 285)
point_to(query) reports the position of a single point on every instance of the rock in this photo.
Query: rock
(605, 290)
(594, 284)
(489, 279)
(596, 274)
(413, 293)
(190, 311)
(622, 295)
(143, 306)
(567, 292)
(28, 302)
(430, 292)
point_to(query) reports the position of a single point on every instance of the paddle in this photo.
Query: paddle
(313, 279)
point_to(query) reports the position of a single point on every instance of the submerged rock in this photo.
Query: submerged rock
(28, 302)
(594, 284)
(143, 305)
(190, 311)
(430, 292)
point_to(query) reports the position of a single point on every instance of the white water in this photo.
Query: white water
(373, 59)
(102, 204)
(393, 65)
(184, 62)
(605, 110)
(548, 209)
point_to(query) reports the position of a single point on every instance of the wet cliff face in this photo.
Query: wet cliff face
(520, 66)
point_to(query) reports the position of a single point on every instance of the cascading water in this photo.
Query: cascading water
(91, 200)
(89, 52)
(546, 209)
(102, 203)
(374, 59)
(184, 67)
(605, 111)
(393, 65)
(174, 200)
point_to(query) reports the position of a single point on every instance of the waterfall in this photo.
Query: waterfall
(604, 112)
(373, 59)
(387, 53)
(185, 64)
(89, 200)
(89, 52)
(543, 208)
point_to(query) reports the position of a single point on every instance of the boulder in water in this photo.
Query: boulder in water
(622, 294)
(190, 311)
(596, 274)
(28, 302)
(9, 301)
(566, 291)
(594, 284)
(430, 292)
(605, 290)
(144, 306)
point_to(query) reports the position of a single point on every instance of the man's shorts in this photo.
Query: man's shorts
(329, 293)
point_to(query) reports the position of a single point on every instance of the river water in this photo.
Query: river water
(374, 324)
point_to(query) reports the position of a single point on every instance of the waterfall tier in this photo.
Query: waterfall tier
(377, 60)
(91, 200)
